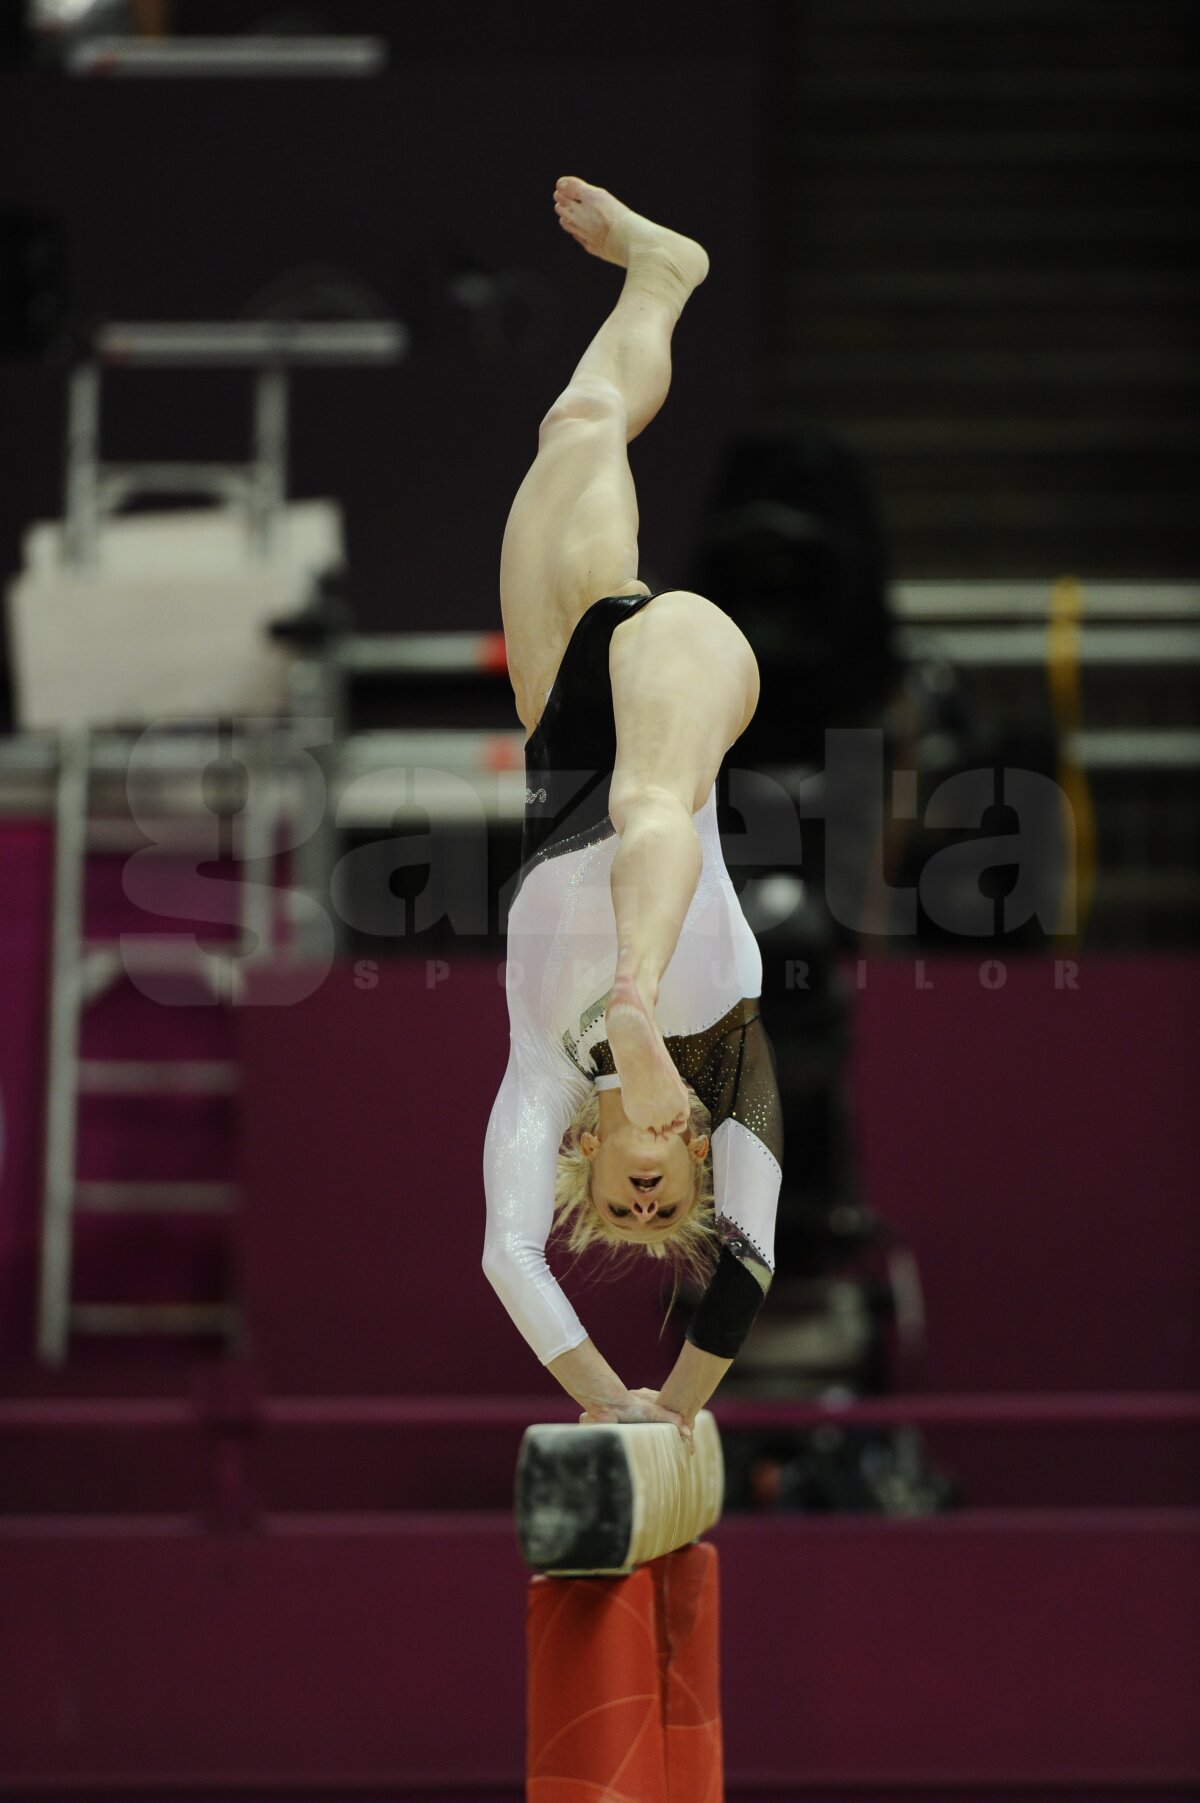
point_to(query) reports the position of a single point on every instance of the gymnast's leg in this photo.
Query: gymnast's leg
(572, 531)
(684, 680)
(684, 686)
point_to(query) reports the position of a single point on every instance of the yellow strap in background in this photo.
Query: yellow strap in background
(1066, 702)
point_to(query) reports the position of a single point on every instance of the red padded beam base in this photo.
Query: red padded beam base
(687, 1590)
(623, 1685)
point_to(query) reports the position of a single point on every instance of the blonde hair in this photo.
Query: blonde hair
(690, 1242)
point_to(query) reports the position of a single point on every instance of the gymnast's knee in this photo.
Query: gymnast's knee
(588, 400)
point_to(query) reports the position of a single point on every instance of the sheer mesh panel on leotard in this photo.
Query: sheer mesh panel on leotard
(731, 1067)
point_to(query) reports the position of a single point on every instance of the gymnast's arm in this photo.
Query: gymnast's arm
(726, 1313)
(740, 1089)
(520, 1154)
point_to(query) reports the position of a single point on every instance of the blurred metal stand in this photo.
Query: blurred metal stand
(1131, 735)
(135, 38)
(182, 777)
(92, 783)
(271, 58)
(994, 636)
(96, 489)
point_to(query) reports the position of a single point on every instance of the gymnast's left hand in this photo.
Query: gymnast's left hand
(642, 1405)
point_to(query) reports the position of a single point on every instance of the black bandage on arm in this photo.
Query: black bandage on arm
(728, 1307)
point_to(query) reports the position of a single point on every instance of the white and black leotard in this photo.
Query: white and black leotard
(561, 961)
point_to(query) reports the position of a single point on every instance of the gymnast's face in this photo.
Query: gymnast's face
(642, 1185)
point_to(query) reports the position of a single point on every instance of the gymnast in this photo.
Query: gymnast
(639, 1108)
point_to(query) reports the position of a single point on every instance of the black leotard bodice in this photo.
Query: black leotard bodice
(569, 756)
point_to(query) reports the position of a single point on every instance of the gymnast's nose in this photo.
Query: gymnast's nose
(645, 1207)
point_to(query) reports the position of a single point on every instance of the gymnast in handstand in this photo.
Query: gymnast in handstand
(639, 1106)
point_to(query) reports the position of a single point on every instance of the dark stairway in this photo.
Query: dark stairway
(984, 274)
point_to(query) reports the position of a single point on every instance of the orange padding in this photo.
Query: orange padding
(624, 1685)
(491, 652)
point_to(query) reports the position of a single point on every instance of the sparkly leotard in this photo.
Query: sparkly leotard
(561, 959)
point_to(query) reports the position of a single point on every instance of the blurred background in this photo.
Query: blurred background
(282, 300)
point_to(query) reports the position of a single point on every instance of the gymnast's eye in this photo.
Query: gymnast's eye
(665, 1214)
(618, 1214)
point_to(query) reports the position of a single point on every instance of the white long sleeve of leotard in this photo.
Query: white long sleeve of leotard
(530, 1114)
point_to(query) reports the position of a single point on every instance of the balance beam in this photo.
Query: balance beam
(623, 1696)
(596, 1501)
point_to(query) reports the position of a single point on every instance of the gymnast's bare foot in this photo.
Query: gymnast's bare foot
(652, 1091)
(607, 228)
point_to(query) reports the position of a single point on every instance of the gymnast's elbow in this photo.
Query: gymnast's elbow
(503, 1271)
(495, 1263)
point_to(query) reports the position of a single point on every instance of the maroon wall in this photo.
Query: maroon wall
(1005, 1655)
(25, 872)
(1024, 1652)
(1040, 1147)
(148, 1259)
(1037, 1146)
(361, 1233)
